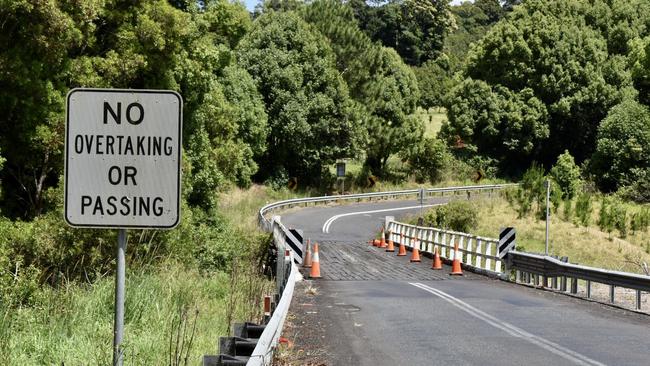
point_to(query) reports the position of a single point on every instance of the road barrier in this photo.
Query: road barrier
(476, 252)
(530, 267)
(479, 254)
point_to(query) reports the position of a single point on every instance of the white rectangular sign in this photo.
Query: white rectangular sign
(123, 158)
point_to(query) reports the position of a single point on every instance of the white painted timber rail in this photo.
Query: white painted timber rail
(476, 252)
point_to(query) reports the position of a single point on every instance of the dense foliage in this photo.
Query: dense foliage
(311, 116)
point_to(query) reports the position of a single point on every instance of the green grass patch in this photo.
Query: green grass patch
(73, 325)
(584, 245)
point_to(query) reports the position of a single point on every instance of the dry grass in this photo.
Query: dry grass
(584, 245)
(432, 119)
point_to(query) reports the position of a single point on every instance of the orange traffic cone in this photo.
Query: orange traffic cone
(391, 245)
(402, 248)
(307, 262)
(315, 264)
(437, 264)
(456, 269)
(382, 241)
(415, 255)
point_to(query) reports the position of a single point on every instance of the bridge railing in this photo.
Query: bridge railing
(476, 252)
(537, 269)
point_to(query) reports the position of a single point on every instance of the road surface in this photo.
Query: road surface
(374, 308)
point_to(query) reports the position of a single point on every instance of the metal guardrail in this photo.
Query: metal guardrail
(265, 223)
(530, 266)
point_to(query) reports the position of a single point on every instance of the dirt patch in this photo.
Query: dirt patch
(304, 330)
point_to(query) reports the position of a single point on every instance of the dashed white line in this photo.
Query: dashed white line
(512, 330)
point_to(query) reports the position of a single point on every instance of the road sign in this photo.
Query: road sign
(293, 183)
(340, 170)
(506, 241)
(123, 158)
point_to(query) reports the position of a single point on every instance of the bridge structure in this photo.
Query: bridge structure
(372, 307)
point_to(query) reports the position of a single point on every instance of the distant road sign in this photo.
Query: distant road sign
(293, 183)
(123, 158)
(340, 170)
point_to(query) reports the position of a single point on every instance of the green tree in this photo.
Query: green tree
(428, 159)
(311, 116)
(560, 52)
(416, 29)
(567, 175)
(51, 46)
(390, 99)
(640, 62)
(434, 81)
(623, 148)
(384, 88)
(496, 122)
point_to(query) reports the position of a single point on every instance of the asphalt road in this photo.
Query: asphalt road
(373, 308)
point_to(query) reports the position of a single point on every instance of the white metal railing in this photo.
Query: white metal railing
(474, 251)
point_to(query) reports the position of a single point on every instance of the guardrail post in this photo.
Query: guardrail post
(517, 276)
(574, 285)
(443, 245)
(479, 253)
(563, 280)
(554, 283)
(488, 251)
(468, 258)
(638, 300)
(589, 289)
(611, 293)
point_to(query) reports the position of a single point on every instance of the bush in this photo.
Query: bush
(605, 221)
(622, 154)
(567, 210)
(428, 159)
(456, 215)
(584, 209)
(566, 174)
(619, 217)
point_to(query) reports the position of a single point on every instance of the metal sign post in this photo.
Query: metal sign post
(122, 169)
(120, 278)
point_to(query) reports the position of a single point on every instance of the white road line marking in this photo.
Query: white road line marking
(512, 330)
(328, 223)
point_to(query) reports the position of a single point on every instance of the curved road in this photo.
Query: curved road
(373, 308)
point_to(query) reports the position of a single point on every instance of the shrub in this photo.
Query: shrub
(428, 159)
(605, 221)
(619, 217)
(456, 215)
(583, 209)
(566, 174)
(567, 209)
(622, 153)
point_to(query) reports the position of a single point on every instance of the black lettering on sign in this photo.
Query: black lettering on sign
(117, 117)
(85, 202)
(130, 113)
(116, 177)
